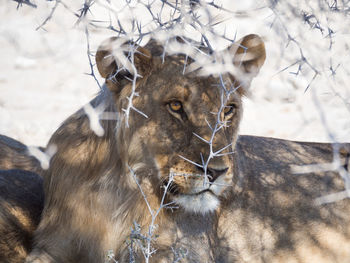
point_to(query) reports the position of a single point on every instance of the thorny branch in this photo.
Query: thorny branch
(148, 250)
(89, 55)
(326, 29)
(49, 17)
(26, 2)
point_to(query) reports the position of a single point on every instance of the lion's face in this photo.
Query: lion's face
(187, 139)
(177, 137)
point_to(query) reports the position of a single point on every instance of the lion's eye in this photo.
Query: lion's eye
(175, 106)
(229, 109)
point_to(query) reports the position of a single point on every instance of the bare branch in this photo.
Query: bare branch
(26, 2)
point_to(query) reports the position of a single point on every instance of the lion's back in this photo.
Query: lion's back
(284, 210)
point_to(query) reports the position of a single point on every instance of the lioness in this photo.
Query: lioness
(229, 200)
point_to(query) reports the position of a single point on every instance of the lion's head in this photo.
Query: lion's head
(184, 115)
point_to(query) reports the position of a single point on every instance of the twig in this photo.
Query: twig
(26, 2)
(50, 15)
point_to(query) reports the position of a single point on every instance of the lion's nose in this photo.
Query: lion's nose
(213, 173)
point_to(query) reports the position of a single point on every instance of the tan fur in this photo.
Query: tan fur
(21, 199)
(15, 155)
(21, 203)
(266, 214)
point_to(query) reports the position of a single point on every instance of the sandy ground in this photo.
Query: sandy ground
(43, 80)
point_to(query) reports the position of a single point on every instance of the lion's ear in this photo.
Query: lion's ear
(104, 59)
(117, 59)
(249, 54)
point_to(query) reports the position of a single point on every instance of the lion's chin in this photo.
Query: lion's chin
(200, 203)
